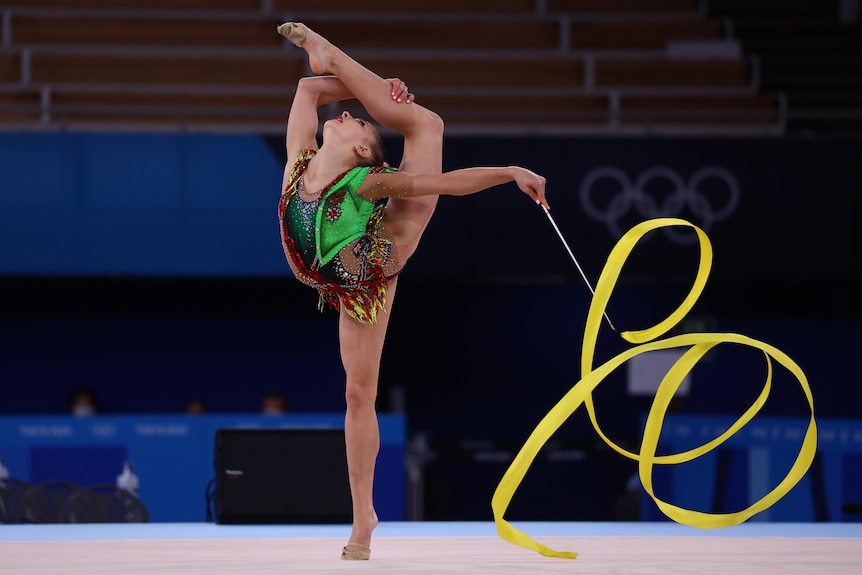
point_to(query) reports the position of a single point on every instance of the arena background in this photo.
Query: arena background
(140, 257)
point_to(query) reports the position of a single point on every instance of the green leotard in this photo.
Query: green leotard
(335, 242)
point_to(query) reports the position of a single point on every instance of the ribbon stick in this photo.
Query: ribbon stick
(575, 260)
(699, 344)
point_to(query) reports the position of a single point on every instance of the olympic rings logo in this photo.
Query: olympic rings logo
(636, 197)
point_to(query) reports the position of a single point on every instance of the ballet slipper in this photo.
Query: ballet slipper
(293, 32)
(362, 554)
(298, 34)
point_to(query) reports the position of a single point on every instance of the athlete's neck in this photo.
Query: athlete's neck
(324, 167)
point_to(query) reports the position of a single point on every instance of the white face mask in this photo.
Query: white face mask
(83, 410)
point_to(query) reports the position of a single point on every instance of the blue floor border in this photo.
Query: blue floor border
(130, 531)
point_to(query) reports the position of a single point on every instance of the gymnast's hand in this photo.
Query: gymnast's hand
(531, 184)
(399, 91)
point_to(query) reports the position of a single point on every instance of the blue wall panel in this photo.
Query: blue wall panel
(205, 204)
(139, 204)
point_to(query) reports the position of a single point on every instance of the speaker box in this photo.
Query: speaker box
(281, 476)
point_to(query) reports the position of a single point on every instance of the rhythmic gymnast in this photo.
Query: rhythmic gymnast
(349, 224)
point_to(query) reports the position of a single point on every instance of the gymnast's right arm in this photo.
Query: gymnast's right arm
(303, 121)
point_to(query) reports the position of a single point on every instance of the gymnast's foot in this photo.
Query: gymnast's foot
(358, 548)
(313, 43)
(356, 552)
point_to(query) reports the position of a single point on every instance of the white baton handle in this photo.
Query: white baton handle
(575, 260)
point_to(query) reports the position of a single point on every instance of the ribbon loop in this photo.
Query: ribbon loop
(699, 344)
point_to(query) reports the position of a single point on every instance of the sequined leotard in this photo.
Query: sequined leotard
(335, 243)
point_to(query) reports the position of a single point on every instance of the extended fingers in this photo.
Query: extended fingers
(538, 189)
(540, 193)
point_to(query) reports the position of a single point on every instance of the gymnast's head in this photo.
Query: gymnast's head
(357, 136)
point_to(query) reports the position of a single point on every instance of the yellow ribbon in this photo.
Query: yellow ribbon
(581, 393)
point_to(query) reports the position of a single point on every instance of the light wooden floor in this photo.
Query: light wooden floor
(645, 548)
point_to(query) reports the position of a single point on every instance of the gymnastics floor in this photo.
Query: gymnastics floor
(431, 547)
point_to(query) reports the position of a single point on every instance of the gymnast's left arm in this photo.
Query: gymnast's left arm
(455, 183)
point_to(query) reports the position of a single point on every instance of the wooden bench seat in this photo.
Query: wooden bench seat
(30, 29)
(703, 110)
(611, 73)
(185, 109)
(408, 7)
(481, 73)
(161, 70)
(620, 6)
(10, 67)
(497, 6)
(261, 32)
(513, 110)
(591, 111)
(442, 35)
(639, 34)
(20, 106)
(204, 5)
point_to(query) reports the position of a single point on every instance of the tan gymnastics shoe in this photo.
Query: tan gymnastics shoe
(300, 35)
(363, 554)
(294, 32)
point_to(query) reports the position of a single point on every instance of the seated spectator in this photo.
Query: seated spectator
(83, 402)
(274, 403)
(195, 406)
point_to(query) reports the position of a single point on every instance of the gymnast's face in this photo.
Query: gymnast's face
(354, 133)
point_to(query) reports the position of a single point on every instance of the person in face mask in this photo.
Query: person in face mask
(274, 403)
(83, 402)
